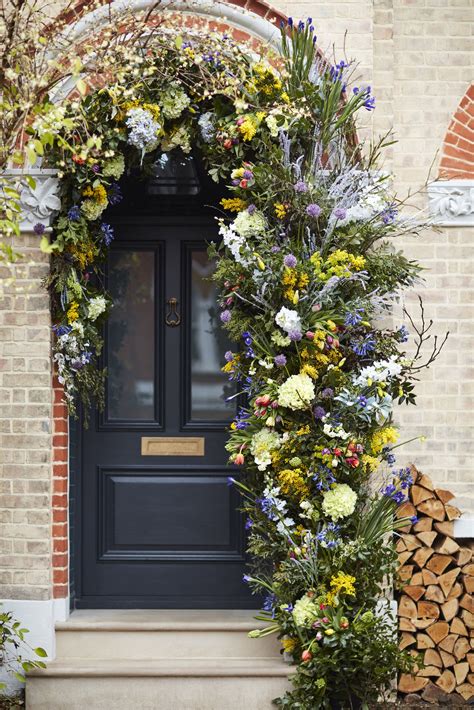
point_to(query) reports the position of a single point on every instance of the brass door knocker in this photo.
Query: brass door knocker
(173, 318)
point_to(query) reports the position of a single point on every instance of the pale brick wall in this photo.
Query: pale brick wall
(415, 53)
(25, 429)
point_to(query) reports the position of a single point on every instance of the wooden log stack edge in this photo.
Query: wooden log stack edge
(436, 603)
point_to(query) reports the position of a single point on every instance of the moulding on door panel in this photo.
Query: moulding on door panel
(451, 202)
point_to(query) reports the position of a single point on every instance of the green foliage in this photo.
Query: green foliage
(13, 646)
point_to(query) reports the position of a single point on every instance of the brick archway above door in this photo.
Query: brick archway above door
(250, 18)
(452, 195)
(457, 161)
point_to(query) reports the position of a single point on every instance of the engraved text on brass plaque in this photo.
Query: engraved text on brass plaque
(172, 446)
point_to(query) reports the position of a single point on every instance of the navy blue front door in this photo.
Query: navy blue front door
(158, 528)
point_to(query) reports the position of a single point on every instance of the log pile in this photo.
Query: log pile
(436, 604)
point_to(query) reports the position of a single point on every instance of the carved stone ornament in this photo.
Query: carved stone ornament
(39, 203)
(452, 202)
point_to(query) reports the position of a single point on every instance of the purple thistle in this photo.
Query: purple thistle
(275, 249)
(319, 412)
(251, 209)
(39, 229)
(295, 335)
(280, 360)
(290, 261)
(226, 316)
(300, 186)
(229, 355)
(339, 213)
(313, 210)
(327, 393)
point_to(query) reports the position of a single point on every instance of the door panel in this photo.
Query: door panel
(161, 531)
(209, 387)
(131, 335)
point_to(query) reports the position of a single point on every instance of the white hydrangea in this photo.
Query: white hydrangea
(249, 225)
(339, 501)
(305, 611)
(143, 130)
(173, 101)
(261, 446)
(297, 392)
(97, 306)
(288, 320)
(372, 203)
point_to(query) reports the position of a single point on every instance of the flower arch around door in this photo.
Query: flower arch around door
(305, 270)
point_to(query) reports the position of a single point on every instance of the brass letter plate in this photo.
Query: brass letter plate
(172, 446)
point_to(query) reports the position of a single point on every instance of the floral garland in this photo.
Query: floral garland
(305, 271)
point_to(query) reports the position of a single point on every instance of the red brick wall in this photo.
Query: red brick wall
(60, 561)
(457, 160)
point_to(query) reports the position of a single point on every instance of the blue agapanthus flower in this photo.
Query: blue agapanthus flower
(363, 347)
(369, 100)
(389, 215)
(354, 317)
(241, 420)
(60, 330)
(328, 535)
(392, 492)
(403, 334)
(324, 478)
(115, 194)
(107, 233)
(74, 213)
(269, 602)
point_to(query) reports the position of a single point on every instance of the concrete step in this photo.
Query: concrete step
(164, 684)
(159, 633)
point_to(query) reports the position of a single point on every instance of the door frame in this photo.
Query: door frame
(76, 502)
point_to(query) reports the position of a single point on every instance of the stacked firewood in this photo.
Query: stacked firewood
(436, 604)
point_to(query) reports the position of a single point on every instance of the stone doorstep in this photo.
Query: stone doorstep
(143, 663)
(168, 686)
(167, 668)
(158, 634)
(161, 620)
